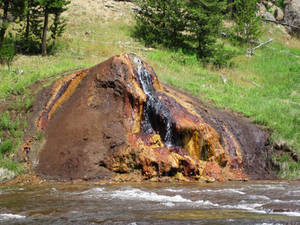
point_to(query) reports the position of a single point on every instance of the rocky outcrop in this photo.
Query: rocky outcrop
(269, 16)
(116, 118)
(292, 16)
(278, 13)
(268, 10)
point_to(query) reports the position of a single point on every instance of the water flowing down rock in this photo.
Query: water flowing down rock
(116, 118)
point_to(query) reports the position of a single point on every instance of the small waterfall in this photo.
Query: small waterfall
(156, 116)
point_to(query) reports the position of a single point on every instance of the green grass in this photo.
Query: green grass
(289, 170)
(11, 165)
(11, 133)
(5, 147)
(265, 87)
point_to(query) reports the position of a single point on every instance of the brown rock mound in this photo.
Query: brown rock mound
(117, 118)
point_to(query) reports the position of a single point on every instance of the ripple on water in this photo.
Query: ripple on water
(297, 202)
(9, 216)
(266, 187)
(93, 192)
(174, 190)
(295, 214)
(138, 194)
(247, 207)
(258, 197)
(225, 191)
(293, 193)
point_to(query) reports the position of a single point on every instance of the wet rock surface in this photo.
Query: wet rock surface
(116, 118)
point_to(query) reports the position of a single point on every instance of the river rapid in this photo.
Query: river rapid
(153, 203)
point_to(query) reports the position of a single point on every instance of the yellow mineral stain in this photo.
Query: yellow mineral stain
(193, 144)
(74, 80)
(68, 93)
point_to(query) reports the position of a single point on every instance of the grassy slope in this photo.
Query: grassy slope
(265, 87)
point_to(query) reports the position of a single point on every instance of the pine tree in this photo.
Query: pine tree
(58, 26)
(160, 22)
(30, 32)
(248, 23)
(50, 7)
(204, 23)
(32, 14)
(11, 11)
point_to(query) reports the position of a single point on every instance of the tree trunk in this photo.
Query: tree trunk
(199, 49)
(27, 25)
(230, 8)
(44, 40)
(4, 20)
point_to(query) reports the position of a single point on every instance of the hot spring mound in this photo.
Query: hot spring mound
(116, 118)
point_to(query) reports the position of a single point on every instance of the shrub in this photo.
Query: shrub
(190, 25)
(160, 22)
(7, 53)
(205, 21)
(6, 147)
(221, 56)
(5, 122)
(280, 3)
(248, 24)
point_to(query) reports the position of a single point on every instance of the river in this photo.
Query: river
(263, 202)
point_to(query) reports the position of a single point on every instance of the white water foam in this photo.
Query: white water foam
(133, 223)
(253, 208)
(294, 214)
(205, 203)
(247, 207)
(168, 204)
(228, 190)
(174, 190)
(267, 187)
(94, 192)
(141, 195)
(268, 224)
(9, 216)
(257, 197)
(137, 194)
(53, 189)
(286, 201)
(170, 201)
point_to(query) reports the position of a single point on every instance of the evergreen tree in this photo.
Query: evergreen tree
(32, 18)
(30, 30)
(50, 7)
(161, 22)
(11, 11)
(248, 23)
(58, 26)
(204, 23)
